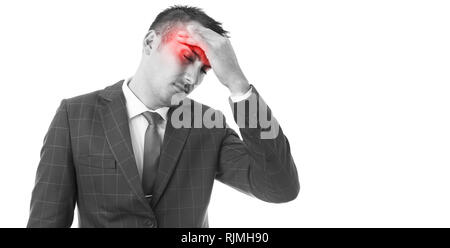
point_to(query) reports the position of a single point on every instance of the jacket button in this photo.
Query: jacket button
(150, 223)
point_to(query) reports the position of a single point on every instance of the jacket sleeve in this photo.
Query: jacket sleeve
(54, 194)
(261, 165)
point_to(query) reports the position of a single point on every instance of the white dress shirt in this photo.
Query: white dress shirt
(138, 124)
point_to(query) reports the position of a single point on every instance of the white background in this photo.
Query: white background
(360, 88)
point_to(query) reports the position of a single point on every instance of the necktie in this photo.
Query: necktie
(152, 145)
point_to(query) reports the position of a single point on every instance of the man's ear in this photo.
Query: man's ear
(149, 41)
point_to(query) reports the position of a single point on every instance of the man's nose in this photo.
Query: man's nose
(191, 76)
(188, 79)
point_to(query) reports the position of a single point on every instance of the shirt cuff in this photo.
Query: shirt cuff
(238, 98)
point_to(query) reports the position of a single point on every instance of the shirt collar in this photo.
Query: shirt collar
(135, 107)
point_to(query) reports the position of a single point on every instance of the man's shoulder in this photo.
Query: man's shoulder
(90, 97)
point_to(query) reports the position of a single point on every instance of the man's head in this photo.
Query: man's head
(173, 69)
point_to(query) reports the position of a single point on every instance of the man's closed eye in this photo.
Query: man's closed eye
(191, 59)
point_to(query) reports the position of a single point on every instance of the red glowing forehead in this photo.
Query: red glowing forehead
(181, 48)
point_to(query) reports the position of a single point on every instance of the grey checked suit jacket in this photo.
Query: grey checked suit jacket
(87, 159)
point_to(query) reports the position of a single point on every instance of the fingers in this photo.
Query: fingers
(196, 45)
(196, 34)
(205, 33)
(204, 38)
(213, 39)
(188, 41)
(193, 40)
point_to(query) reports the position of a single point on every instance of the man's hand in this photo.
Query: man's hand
(220, 54)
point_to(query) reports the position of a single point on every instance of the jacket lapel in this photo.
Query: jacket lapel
(115, 123)
(173, 143)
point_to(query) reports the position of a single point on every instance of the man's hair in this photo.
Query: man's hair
(172, 16)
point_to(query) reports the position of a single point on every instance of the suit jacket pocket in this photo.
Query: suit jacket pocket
(100, 162)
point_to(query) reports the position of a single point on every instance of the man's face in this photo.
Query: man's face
(175, 69)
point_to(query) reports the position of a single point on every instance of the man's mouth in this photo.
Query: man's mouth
(182, 87)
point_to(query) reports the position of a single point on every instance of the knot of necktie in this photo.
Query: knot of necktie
(153, 118)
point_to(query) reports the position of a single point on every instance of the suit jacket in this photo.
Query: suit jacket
(87, 159)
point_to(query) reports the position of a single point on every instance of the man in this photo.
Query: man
(140, 153)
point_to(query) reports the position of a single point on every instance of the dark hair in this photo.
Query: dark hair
(174, 15)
